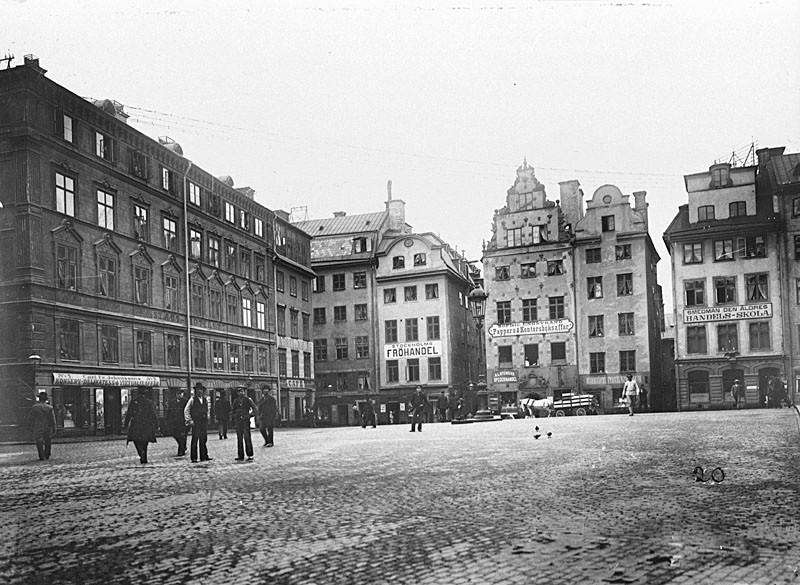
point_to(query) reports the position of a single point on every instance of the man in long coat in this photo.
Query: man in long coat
(142, 422)
(42, 420)
(416, 408)
(267, 414)
(196, 416)
(176, 425)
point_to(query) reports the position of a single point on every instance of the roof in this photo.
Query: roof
(346, 224)
(783, 170)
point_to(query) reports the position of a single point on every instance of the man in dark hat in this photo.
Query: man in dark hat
(223, 412)
(243, 409)
(416, 408)
(176, 425)
(737, 393)
(196, 416)
(42, 419)
(267, 415)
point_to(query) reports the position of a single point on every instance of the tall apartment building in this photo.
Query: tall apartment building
(727, 284)
(124, 265)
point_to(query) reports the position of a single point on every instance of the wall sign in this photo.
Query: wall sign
(730, 313)
(531, 328)
(103, 380)
(412, 349)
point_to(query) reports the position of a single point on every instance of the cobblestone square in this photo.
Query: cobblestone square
(605, 499)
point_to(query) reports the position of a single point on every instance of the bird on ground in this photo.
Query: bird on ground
(549, 434)
(536, 436)
(536, 429)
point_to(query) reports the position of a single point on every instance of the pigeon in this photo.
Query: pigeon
(536, 429)
(549, 434)
(536, 436)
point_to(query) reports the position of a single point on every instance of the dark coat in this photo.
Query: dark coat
(175, 423)
(222, 409)
(418, 403)
(243, 408)
(141, 420)
(267, 411)
(42, 418)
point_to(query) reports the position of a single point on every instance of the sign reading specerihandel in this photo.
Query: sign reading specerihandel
(531, 328)
(412, 349)
(731, 313)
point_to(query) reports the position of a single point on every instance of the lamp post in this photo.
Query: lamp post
(34, 359)
(477, 306)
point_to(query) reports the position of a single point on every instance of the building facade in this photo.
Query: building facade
(124, 264)
(727, 285)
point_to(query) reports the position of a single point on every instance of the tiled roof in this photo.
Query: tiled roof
(784, 170)
(347, 224)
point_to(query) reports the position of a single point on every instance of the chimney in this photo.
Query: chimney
(389, 190)
(640, 205)
(765, 154)
(33, 61)
(571, 197)
(397, 215)
(339, 213)
(248, 192)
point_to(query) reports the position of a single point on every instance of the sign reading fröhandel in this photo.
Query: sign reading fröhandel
(413, 349)
(531, 328)
(732, 313)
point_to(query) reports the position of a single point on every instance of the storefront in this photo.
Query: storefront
(297, 401)
(607, 388)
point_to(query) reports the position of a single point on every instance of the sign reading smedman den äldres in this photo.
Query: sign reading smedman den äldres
(727, 313)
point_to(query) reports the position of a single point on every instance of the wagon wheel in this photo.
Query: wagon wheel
(718, 475)
(580, 411)
(561, 413)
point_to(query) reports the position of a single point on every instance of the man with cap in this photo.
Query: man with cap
(416, 408)
(737, 393)
(243, 409)
(267, 413)
(176, 425)
(196, 416)
(42, 419)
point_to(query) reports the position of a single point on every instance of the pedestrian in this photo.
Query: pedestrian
(441, 407)
(223, 413)
(737, 393)
(42, 420)
(243, 409)
(196, 416)
(267, 413)
(142, 422)
(416, 408)
(368, 415)
(643, 405)
(176, 424)
(630, 390)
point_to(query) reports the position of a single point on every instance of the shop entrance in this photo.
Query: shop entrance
(112, 411)
(393, 413)
(764, 376)
(341, 414)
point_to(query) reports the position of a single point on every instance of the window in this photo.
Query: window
(141, 285)
(412, 329)
(504, 311)
(529, 310)
(261, 315)
(282, 367)
(194, 194)
(307, 364)
(139, 165)
(103, 146)
(293, 286)
(759, 336)
(389, 295)
(719, 176)
(218, 355)
(295, 363)
(230, 262)
(556, 307)
(420, 259)
(232, 303)
(410, 293)
(555, 267)
(247, 352)
(752, 247)
(213, 251)
(108, 277)
(558, 351)
(199, 354)
(390, 328)
(796, 207)
(432, 291)
(514, 237)
(280, 281)
(412, 370)
(626, 326)
(362, 347)
(303, 289)
(67, 267)
(723, 250)
(505, 356)
(596, 326)
(624, 284)
(607, 223)
(319, 316)
(531, 355)
(306, 327)
(705, 213)
(244, 220)
(69, 347)
(230, 212)
(171, 298)
(797, 247)
(432, 325)
(727, 337)
(435, 368)
(341, 348)
(528, 270)
(597, 362)
(502, 273)
(594, 287)
(195, 244)
(359, 245)
(593, 255)
(359, 280)
(338, 281)
(623, 252)
(167, 180)
(757, 286)
(321, 350)
(293, 323)
(265, 360)
(539, 234)
(247, 312)
(737, 208)
(234, 357)
(141, 222)
(65, 194)
(392, 371)
(697, 382)
(695, 292)
(319, 284)
(215, 304)
(360, 312)
(696, 339)
(170, 234)
(105, 209)
(693, 253)
(244, 267)
(109, 344)
(63, 125)
(398, 262)
(797, 290)
(339, 313)
(627, 361)
(258, 227)
(725, 290)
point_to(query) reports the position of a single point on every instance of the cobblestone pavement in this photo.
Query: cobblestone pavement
(605, 499)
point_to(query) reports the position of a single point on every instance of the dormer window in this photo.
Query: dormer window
(359, 245)
(720, 176)
(705, 213)
(420, 259)
(737, 208)
(398, 262)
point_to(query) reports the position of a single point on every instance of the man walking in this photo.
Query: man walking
(176, 424)
(243, 409)
(737, 393)
(223, 412)
(196, 416)
(42, 420)
(267, 413)
(441, 407)
(416, 407)
(630, 391)
(368, 416)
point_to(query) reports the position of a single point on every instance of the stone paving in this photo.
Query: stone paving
(606, 499)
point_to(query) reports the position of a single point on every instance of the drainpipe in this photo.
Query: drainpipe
(186, 277)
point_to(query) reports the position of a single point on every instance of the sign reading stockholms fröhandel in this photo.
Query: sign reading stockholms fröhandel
(731, 313)
(531, 328)
(413, 349)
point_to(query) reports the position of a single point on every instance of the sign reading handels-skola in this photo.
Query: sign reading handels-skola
(730, 313)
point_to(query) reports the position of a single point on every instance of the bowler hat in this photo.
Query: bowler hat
(199, 386)
(43, 395)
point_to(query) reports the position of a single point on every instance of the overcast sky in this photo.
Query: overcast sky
(316, 105)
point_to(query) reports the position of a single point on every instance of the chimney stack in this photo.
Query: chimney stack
(640, 205)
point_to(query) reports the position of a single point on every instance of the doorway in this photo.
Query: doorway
(112, 410)
(764, 376)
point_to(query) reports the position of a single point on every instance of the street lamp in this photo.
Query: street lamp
(34, 359)
(477, 306)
